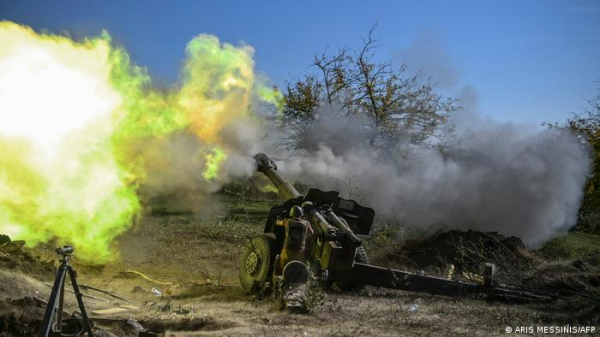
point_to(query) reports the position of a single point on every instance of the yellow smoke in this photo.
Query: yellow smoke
(213, 162)
(217, 86)
(58, 177)
(50, 85)
(72, 115)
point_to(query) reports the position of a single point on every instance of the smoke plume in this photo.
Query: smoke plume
(514, 179)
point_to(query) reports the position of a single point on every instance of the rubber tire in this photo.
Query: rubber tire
(265, 247)
(353, 285)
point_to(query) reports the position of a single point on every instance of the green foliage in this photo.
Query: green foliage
(573, 246)
(385, 233)
(385, 238)
(587, 125)
(253, 188)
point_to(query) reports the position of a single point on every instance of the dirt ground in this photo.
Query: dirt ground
(193, 262)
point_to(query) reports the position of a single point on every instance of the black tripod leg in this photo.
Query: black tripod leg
(50, 308)
(79, 296)
(59, 312)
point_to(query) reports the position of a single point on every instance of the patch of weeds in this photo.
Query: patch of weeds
(165, 306)
(315, 295)
(185, 309)
(264, 292)
(384, 237)
(573, 246)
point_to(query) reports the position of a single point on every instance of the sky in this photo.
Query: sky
(519, 61)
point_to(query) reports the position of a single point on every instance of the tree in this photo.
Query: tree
(392, 105)
(587, 125)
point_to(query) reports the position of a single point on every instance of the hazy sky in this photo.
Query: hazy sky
(529, 61)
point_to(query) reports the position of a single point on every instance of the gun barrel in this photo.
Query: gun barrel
(339, 224)
(269, 168)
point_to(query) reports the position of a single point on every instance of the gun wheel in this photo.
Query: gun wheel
(256, 262)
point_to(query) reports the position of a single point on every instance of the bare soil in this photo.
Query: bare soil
(193, 262)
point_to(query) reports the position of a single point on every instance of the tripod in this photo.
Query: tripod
(58, 290)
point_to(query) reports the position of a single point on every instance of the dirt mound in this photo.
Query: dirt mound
(14, 256)
(566, 278)
(21, 317)
(468, 251)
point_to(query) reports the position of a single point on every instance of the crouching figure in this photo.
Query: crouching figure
(291, 264)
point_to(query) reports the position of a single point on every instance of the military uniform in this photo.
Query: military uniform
(294, 247)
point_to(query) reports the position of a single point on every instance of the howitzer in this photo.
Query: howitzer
(335, 250)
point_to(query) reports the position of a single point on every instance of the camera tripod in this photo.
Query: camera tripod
(57, 295)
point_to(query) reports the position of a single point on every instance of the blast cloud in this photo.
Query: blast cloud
(86, 140)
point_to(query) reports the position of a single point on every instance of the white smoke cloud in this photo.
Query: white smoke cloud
(515, 179)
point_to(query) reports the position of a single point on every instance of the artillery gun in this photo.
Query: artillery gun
(335, 250)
